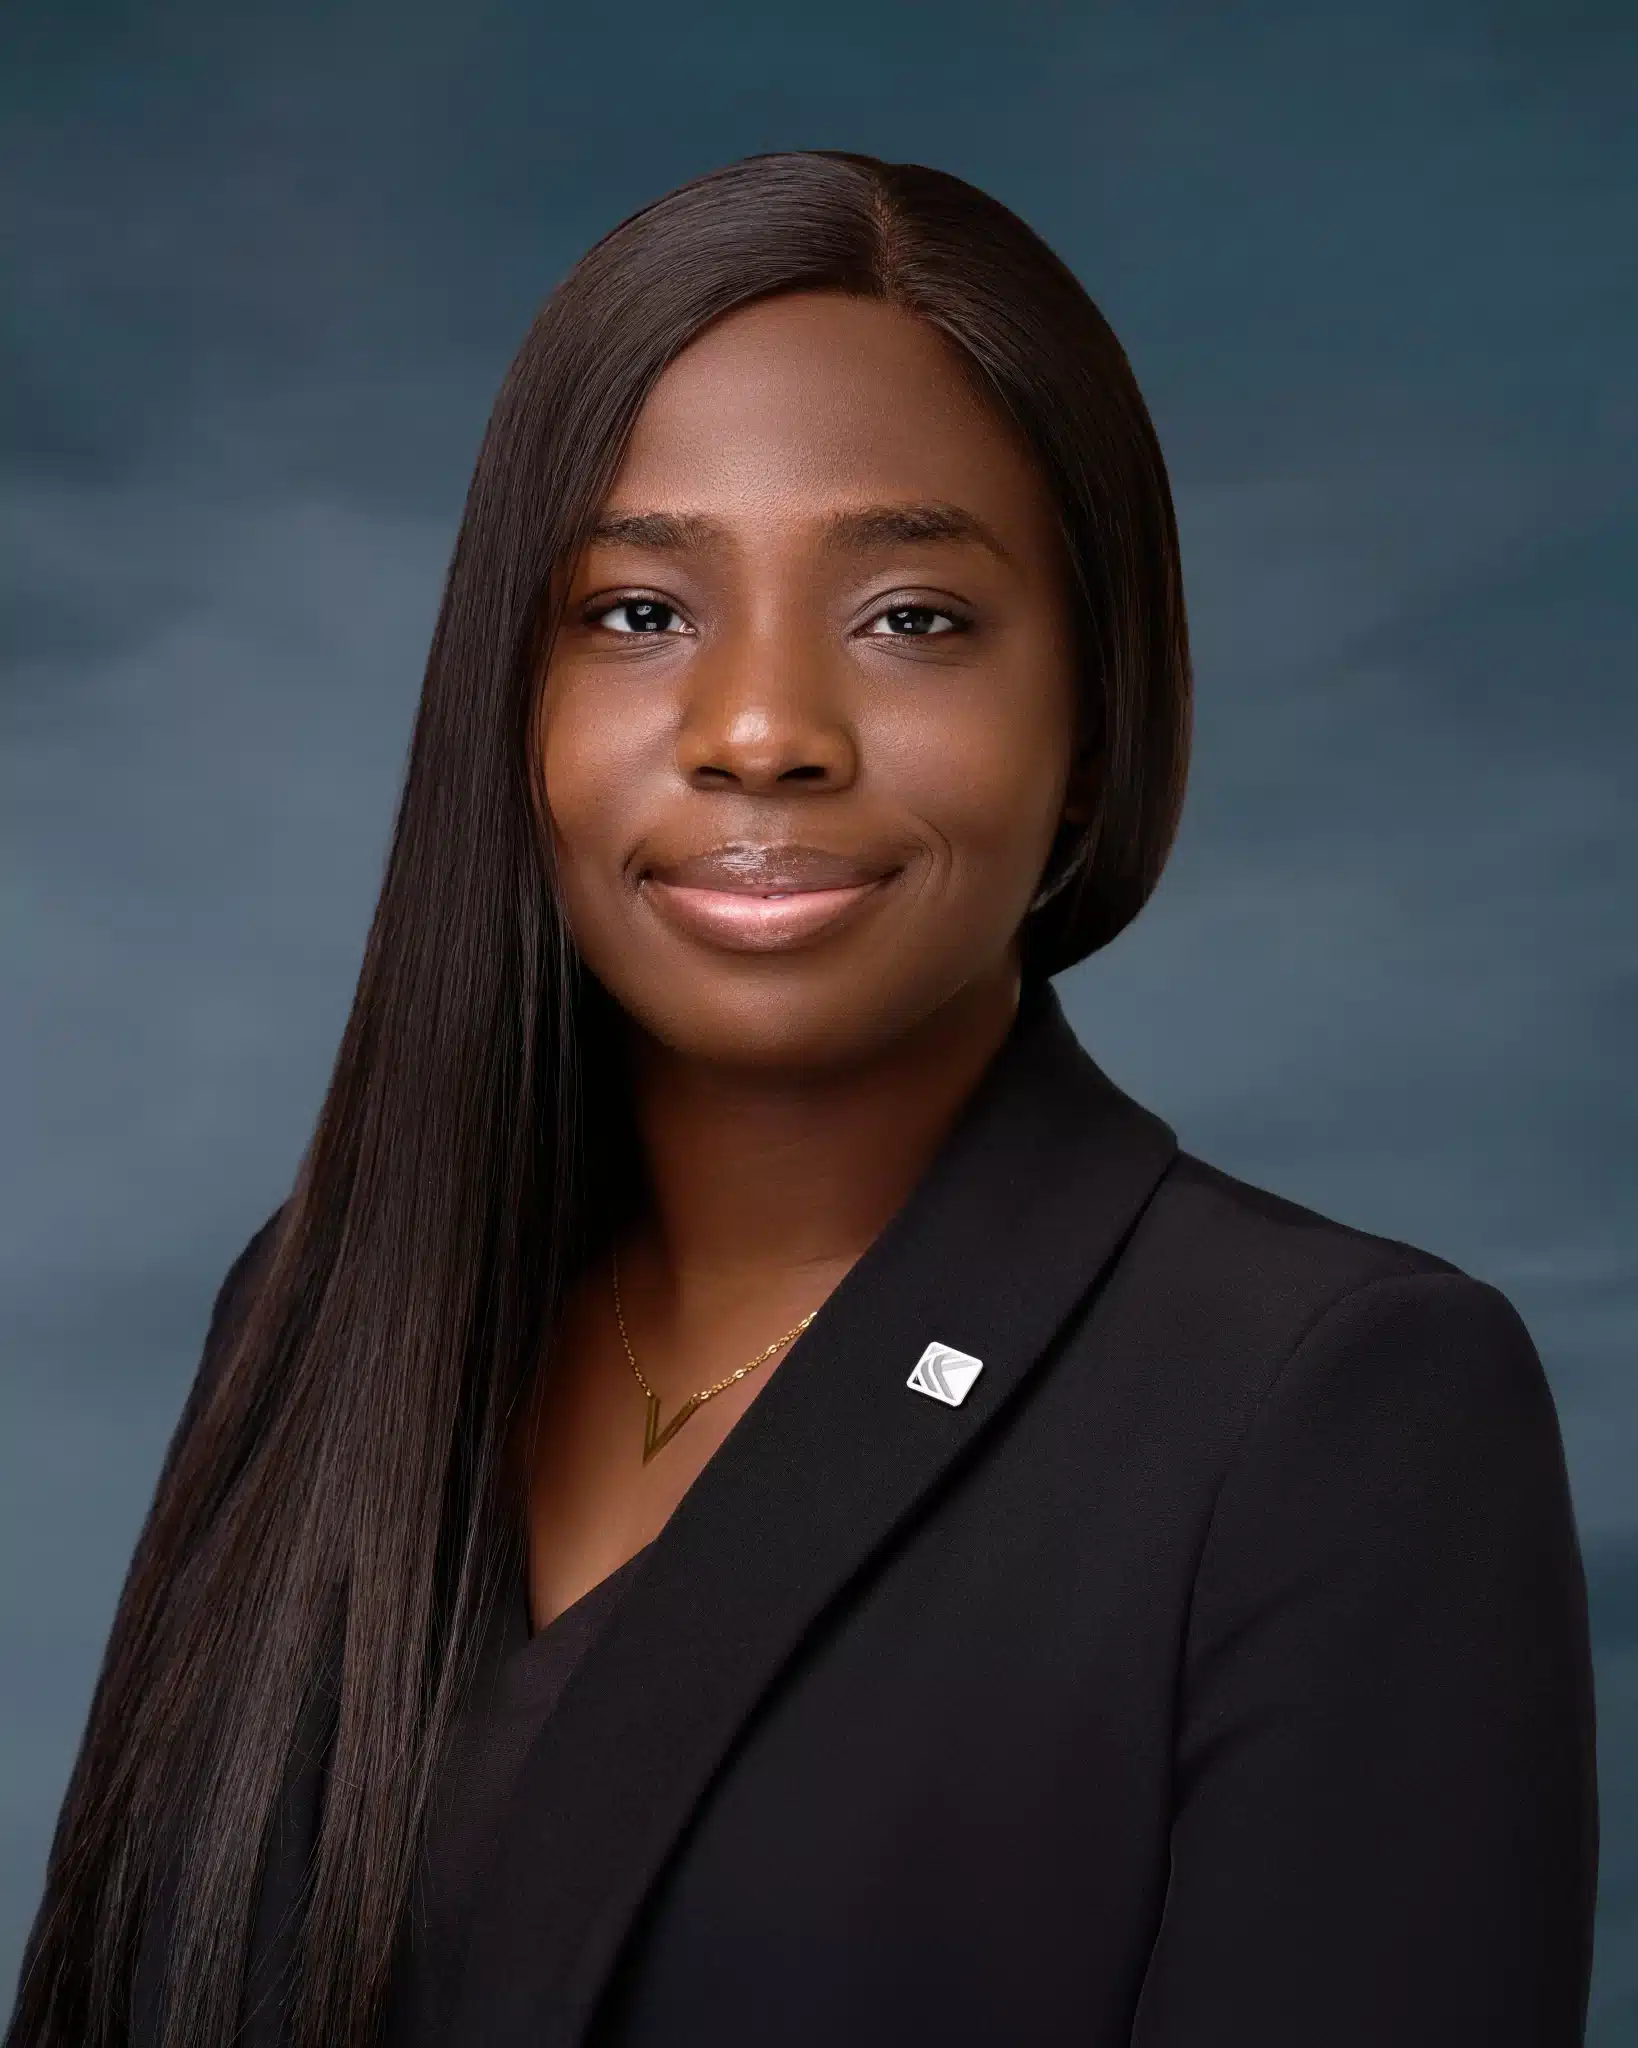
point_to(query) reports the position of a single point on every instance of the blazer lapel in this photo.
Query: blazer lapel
(1025, 1206)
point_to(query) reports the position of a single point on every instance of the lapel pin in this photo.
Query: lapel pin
(945, 1374)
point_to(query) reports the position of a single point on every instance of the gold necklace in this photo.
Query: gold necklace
(654, 1438)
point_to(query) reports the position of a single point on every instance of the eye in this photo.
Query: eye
(639, 615)
(914, 622)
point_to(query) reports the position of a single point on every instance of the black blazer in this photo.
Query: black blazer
(1215, 1673)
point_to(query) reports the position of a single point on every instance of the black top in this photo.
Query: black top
(520, 1678)
(1216, 1671)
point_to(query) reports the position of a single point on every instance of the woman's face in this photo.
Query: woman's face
(807, 726)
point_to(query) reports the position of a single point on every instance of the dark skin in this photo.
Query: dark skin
(827, 610)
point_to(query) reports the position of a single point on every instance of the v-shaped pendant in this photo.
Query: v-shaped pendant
(654, 1437)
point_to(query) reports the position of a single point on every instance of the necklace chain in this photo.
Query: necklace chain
(721, 1386)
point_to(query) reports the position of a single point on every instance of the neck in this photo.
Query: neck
(756, 1178)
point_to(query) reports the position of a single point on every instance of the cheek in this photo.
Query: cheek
(985, 770)
(596, 749)
(593, 770)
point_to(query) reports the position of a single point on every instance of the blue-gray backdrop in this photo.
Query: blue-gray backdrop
(1375, 268)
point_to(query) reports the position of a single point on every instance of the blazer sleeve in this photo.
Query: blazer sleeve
(1385, 1819)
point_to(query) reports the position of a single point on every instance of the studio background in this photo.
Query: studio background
(1374, 267)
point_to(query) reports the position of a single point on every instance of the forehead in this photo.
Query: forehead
(813, 399)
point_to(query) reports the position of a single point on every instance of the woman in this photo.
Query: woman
(750, 1495)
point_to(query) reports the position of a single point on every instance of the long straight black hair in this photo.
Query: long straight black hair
(330, 1512)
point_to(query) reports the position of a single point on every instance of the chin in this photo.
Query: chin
(828, 1018)
(782, 1030)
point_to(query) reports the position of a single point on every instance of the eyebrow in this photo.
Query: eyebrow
(886, 525)
(674, 532)
(853, 532)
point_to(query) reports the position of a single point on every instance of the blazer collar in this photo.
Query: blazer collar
(1023, 1209)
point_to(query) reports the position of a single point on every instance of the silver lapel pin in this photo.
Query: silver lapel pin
(945, 1374)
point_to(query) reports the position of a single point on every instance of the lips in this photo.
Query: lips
(745, 868)
(754, 898)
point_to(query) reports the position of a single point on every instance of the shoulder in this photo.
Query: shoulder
(1261, 1270)
(240, 1282)
(1373, 1412)
(1235, 1227)
(234, 1295)
(1266, 1314)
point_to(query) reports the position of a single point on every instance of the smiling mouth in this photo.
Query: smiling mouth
(764, 899)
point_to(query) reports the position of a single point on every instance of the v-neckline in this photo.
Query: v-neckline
(520, 1633)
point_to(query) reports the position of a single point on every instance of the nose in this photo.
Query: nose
(763, 721)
